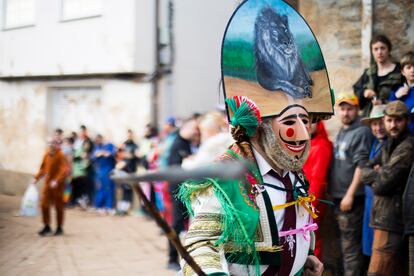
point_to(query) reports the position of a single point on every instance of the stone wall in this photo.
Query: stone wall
(395, 20)
(337, 27)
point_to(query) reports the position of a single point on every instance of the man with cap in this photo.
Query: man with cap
(376, 123)
(351, 152)
(262, 222)
(388, 174)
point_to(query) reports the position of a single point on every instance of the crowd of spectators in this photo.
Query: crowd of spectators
(368, 179)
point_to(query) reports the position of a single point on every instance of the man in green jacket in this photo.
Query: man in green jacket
(388, 174)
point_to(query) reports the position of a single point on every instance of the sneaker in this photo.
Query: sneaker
(45, 231)
(111, 212)
(121, 213)
(59, 231)
(101, 211)
(83, 202)
(139, 212)
(173, 266)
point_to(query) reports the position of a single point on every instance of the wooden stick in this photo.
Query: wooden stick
(230, 170)
(170, 233)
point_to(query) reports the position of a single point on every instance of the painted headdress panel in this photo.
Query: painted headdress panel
(270, 55)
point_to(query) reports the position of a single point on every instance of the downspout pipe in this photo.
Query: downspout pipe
(366, 32)
(157, 73)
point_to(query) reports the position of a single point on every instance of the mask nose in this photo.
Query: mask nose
(302, 133)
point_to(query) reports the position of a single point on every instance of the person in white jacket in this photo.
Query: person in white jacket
(215, 139)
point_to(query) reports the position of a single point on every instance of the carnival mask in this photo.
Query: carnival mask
(285, 138)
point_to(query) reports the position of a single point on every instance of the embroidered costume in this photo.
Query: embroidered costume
(275, 83)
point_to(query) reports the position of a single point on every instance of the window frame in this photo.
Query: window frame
(76, 18)
(4, 27)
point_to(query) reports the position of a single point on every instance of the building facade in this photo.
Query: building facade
(94, 62)
(114, 65)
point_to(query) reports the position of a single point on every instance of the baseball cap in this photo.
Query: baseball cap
(170, 120)
(396, 109)
(348, 98)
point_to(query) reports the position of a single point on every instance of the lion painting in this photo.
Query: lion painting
(278, 63)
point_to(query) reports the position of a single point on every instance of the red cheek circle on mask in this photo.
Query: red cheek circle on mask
(290, 132)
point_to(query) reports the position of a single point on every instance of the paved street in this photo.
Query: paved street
(92, 245)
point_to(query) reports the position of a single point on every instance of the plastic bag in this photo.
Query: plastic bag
(30, 201)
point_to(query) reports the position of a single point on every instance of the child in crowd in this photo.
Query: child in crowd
(406, 92)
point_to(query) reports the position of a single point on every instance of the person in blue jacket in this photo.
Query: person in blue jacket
(406, 92)
(376, 123)
(104, 161)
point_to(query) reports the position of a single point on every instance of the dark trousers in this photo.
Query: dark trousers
(350, 228)
(178, 216)
(82, 186)
(127, 194)
(79, 188)
(91, 187)
(411, 255)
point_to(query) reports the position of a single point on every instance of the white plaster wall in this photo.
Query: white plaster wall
(23, 125)
(24, 121)
(126, 105)
(119, 41)
(199, 27)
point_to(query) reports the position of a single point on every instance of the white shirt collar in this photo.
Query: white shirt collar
(264, 167)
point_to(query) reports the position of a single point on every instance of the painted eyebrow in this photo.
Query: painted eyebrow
(295, 116)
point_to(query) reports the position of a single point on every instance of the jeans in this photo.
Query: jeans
(350, 228)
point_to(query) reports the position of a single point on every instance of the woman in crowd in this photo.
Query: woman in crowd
(380, 79)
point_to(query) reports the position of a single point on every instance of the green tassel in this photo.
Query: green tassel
(187, 189)
(233, 229)
(243, 116)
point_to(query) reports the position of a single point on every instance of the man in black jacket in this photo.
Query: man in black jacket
(408, 216)
(180, 149)
(388, 174)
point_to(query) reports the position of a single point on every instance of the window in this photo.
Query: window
(78, 9)
(70, 107)
(18, 13)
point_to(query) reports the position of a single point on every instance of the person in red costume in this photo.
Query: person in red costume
(316, 169)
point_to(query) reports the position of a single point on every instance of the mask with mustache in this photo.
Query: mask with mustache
(285, 139)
